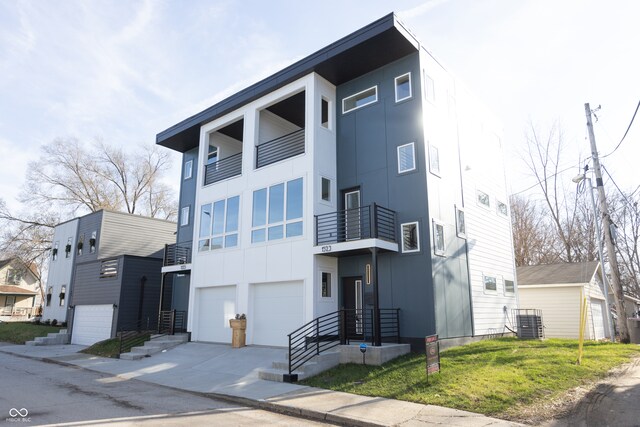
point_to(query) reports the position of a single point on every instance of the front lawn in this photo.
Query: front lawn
(111, 347)
(19, 332)
(498, 377)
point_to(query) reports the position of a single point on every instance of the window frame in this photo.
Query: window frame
(413, 157)
(402, 226)
(504, 214)
(109, 268)
(504, 287)
(329, 123)
(285, 222)
(329, 287)
(395, 81)
(436, 250)
(188, 166)
(324, 179)
(434, 167)
(461, 233)
(225, 223)
(344, 100)
(184, 218)
(486, 206)
(486, 276)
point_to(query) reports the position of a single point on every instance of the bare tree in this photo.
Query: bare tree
(533, 238)
(625, 213)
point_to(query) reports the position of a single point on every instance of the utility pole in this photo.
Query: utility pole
(606, 225)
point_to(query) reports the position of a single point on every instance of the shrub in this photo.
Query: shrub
(63, 324)
(47, 322)
(37, 321)
(54, 322)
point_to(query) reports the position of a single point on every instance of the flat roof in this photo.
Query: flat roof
(366, 49)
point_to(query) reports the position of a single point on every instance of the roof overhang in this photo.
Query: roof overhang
(371, 47)
(15, 290)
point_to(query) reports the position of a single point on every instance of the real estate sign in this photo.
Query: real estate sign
(433, 354)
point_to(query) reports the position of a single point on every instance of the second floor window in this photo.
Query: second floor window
(219, 224)
(277, 212)
(184, 216)
(14, 276)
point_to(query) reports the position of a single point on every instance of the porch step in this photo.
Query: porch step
(54, 338)
(157, 344)
(279, 370)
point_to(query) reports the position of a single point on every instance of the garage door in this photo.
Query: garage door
(277, 311)
(215, 307)
(91, 323)
(598, 319)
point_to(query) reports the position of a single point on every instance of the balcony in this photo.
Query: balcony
(223, 169)
(356, 229)
(177, 257)
(280, 148)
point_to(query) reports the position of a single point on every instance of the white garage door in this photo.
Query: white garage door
(215, 307)
(277, 311)
(598, 319)
(91, 323)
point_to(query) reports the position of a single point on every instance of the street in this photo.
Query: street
(36, 393)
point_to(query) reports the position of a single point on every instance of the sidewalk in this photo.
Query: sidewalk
(230, 374)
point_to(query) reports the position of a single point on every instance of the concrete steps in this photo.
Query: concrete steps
(54, 338)
(279, 370)
(157, 344)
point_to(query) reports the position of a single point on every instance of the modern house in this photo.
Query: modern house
(362, 180)
(104, 273)
(20, 294)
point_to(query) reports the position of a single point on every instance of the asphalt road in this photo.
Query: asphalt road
(36, 393)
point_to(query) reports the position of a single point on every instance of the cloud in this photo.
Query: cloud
(420, 10)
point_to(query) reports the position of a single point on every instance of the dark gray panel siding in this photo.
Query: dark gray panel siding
(87, 225)
(138, 302)
(188, 195)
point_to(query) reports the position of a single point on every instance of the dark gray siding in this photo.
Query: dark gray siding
(87, 225)
(367, 158)
(139, 301)
(188, 195)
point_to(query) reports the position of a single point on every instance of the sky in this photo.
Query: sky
(123, 71)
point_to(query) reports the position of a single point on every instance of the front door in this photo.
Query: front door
(352, 215)
(352, 303)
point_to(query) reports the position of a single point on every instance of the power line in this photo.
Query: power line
(540, 182)
(625, 134)
(616, 185)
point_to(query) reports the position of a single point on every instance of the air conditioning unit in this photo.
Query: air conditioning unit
(529, 323)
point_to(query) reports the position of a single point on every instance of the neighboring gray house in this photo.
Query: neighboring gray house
(112, 280)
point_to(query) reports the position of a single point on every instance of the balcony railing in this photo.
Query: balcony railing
(223, 169)
(280, 148)
(366, 222)
(177, 254)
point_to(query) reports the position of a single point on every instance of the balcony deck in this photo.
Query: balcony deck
(177, 257)
(280, 148)
(223, 169)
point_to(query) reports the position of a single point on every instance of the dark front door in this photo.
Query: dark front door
(352, 303)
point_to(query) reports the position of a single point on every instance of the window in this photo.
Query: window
(212, 155)
(403, 87)
(54, 252)
(92, 242)
(410, 237)
(438, 238)
(324, 113)
(14, 276)
(461, 226)
(277, 212)
(434, 160)
(429, 88)
(49, 292)
(483, 198)
(490, 284)
(406, 158)
(67, 248)
(219, 224)
(109, 268)
(62, 295)
(80, 244)
(184, 216)
(360, 99)
(188, 169)
(326, 189)
(502, 208)
(326, 285)
(509, 287)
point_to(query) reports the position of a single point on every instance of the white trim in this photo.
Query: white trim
(484, 285)
(184, 218)
(396, 87)
(375, 88)
(413, 157)
(436, 251)
(408, 251)
(504, 286)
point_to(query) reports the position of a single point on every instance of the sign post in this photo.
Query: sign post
(363, 350)
(433, 354)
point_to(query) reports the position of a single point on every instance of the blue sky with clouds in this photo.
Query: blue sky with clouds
(123, 71)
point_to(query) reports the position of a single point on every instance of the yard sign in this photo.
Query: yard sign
(433, 354)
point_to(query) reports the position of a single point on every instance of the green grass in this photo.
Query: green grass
(111, 347)
(19, 332)
(492, 377)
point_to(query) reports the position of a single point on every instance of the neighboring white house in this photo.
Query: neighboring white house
(557, 289)
(20, 294)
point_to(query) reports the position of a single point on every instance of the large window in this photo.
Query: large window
(219, 224)
(360, 99)
(410, 237)
(406, 158)
(277, 212)
(403, 87)
(438, 238)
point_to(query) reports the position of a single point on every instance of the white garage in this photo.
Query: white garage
(277, 311)
(215, 305)
(598, 319)
(91, 323)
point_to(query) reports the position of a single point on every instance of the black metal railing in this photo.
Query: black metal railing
(338, 328)
(135, 334)
(372, 221)
(280, 148)
(172, 321)
(177, 253)
(223, 169)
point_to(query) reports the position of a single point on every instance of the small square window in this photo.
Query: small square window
(326, 189)
(326, 285)
(490, 284)
(188, 169)
(360, 99)
(403, 87)
(410, 237)
(461, 226)
(324, 113)
(434, 160)
(406, 158)
(184, 216)
(483, 199)
(502, 208)
(509, 287)
(438, 239)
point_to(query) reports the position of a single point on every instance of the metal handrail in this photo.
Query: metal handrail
(281, 148)
(171, 321)
(371, 221)
(132, 335)
(223, 169)
(177, 254)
